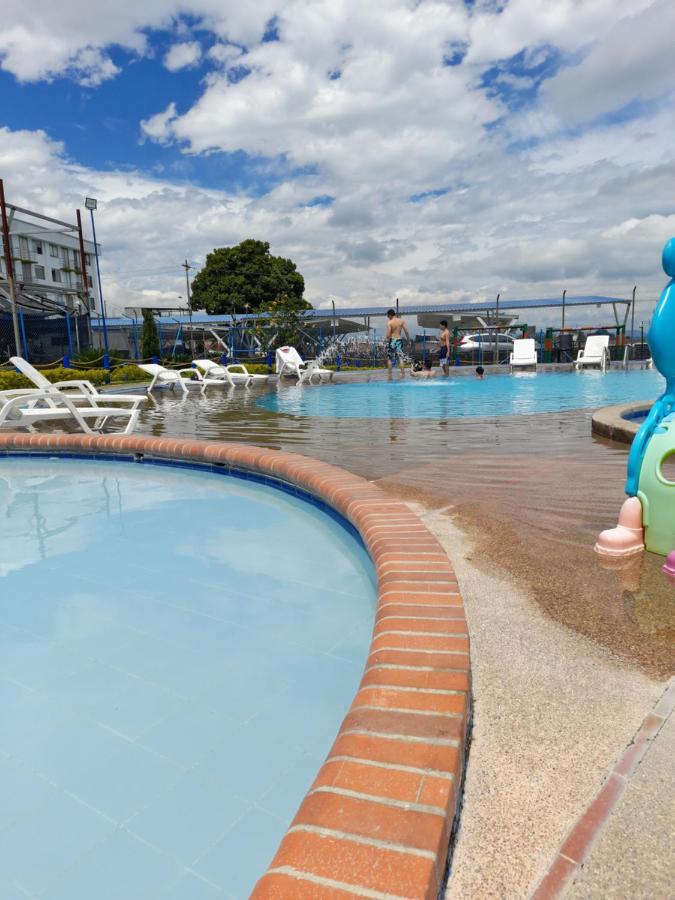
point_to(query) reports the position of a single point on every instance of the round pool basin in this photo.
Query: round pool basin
(177, 652)
(466, 396)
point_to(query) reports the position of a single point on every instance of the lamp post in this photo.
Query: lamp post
(186, 265)
(91, 204)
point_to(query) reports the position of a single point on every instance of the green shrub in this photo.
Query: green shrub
(10, 380)
(128, 373)
(91, 355)
(149, 336)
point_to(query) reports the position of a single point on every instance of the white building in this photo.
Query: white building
(47, 264)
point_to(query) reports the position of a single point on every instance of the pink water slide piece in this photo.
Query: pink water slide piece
(628, 536)
(669, 565)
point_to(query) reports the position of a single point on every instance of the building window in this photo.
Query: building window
(90, 281)
(56, 275)
(87, 258)
(40, 272)
(54, 250)
(37, 246)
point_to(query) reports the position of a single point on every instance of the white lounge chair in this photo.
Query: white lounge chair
(78, 389)
(289, 362)
(524, 353)
(234, 373)
(173, 378)
(595, 352)
(23, 408)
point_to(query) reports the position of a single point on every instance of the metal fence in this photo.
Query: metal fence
(44, 339)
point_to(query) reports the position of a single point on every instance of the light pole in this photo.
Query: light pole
(186, 265)
(91, 204)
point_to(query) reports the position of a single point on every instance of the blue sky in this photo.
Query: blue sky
(413, 149)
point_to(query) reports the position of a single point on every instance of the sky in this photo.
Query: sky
(430, 150)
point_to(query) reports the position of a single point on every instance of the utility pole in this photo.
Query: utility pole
(495, 357)
(9, 267)
(562, 328)
(186, 265)
(632, 315)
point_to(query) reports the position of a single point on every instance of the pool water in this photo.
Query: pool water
(177, 651)
(467, 396)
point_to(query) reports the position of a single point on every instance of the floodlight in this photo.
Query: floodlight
(90, 203)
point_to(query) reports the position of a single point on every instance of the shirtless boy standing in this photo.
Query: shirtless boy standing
(395, 326)
(444, 341)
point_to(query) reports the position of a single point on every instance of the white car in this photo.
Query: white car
(485, 342)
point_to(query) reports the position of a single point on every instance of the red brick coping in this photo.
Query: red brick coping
(377, 821)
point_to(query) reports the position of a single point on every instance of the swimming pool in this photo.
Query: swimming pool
(466, 396)
(177, 652)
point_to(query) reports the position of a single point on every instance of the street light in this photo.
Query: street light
(91, 204)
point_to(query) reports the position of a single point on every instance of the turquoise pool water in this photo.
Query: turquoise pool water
(177, 650)
(466, 396)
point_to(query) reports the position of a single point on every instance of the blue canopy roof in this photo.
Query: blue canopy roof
(360, 312)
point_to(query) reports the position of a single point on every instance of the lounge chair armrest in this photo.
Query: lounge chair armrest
(22, 392)
(80, 383)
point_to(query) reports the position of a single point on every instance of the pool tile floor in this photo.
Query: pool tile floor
(161, 719)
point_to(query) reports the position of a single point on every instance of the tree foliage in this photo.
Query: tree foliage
(149, 336)
(245, 278)
(283, 322)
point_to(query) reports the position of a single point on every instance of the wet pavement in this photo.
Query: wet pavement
(532, 491)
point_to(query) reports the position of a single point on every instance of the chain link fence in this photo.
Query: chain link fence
(44, 339)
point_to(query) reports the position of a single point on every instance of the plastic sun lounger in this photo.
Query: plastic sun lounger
(595, 353)
(235, 373)
(79, 390)
(173, 378)
(524, 353)
(24, 407)
(289, 362)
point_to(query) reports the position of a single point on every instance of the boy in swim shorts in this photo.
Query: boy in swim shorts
(395, 327)
(444, 341)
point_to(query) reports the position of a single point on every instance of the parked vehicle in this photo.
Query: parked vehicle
(484, 342)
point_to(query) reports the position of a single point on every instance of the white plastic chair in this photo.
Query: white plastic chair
(289, 362)
(234, 373)
(524, 353)
(173, 378)
(79, 389)
(24, 407)
(595, 352)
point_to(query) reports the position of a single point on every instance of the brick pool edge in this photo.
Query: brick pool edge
(378, 818)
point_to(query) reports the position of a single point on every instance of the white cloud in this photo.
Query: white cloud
(183, 56)
(225, 54)
(158, 127)
(634, 62)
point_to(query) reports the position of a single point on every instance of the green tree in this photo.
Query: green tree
(149, 336)
(245, 278)
(283, 322)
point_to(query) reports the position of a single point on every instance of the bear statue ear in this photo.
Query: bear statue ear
(668, 258)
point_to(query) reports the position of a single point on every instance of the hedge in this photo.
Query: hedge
(9, 379)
